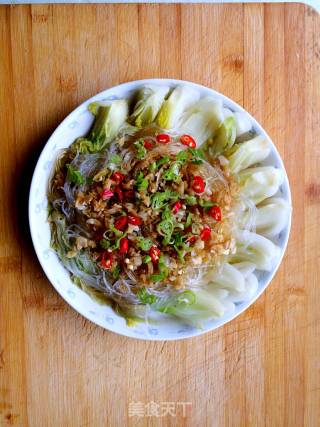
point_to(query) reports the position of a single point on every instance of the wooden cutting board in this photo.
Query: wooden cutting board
(261, 369)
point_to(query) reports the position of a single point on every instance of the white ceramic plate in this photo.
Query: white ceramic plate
(75, 125)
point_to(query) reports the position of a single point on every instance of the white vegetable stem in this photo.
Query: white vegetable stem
(181, 98)
(248, 153)
(243, 123)
(260, 182)
(202, 119)
(272, 216)
(148, 103)
(252, 247)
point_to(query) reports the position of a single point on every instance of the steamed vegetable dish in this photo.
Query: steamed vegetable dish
(163, 206)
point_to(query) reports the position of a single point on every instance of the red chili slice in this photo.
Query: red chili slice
(129, 194)
(215, 213)
(205, 233)
(191, 239)
(163, 138)
(148, 144)
(176, 207)
(154, 252)
(188, 141)
(106, 194)
(118, 177)
(121, 222)
(124, 245)
(119, 193)
(106, 260)
(100, 236)
(198, 184)
(134, 220)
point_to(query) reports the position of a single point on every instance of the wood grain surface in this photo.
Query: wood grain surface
(56, 368)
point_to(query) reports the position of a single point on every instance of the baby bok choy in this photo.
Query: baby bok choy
(202, 119)
(228, 277)
(251, 285)
(79, 264)
(109, 116)
(243, 123)
(180, 99)
(223, 139)
(252, 247)
(248, 153)
(148, 103)
(272, 216)
(260, 183)
(237, 279)
(250, 282)
(189, 306)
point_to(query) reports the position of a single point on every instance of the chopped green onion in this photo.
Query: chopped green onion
(153, 167)
(169, 175)
(197, 156)
(186, 298)
(159, 199)
(162, 161)
(188, 220)
(141, 151)
(172, 174)
(178, 239)
(181, 253)
(74, 175)
(89, 180)
(146, 259)
(145, 297)
(116, 271)
(167, 213)
(141, 182)
(191, 200)
(105, 243)
(117, 242)
(183, 156)
(115, 159)
(143, 185)
(163, 271)
(167, 216)
(144, 243)
(165, 228)
(112, 228)
(180, 246)
(167, 240)
(158, 277)
(206, 204)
